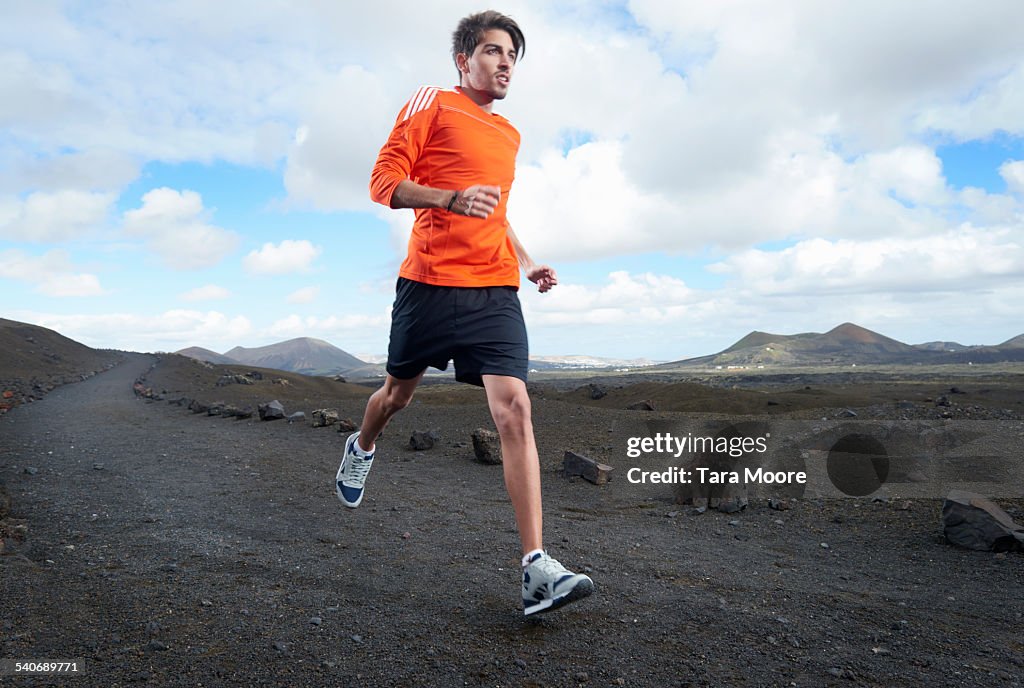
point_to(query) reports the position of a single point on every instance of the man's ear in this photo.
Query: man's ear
(462, 62)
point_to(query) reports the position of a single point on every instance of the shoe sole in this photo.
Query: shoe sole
(582, 589)
(337, 478)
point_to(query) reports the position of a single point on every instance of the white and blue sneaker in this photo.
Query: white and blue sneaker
(548, 585)
(355, 466)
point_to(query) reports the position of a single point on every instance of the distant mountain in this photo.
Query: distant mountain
(847, 344)
(201, 354)
(1015, 343)
(581, 362)
(303, 355)
(941, 346)
(756, 338)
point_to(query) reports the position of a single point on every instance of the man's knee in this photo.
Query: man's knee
(397, 398)
(513, 414)
(394, 397)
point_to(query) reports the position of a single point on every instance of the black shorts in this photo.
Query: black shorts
(480, 328)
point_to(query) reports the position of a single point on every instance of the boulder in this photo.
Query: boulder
(346, 425)
(574, 464)
(645, 405)
(975, 522)
(323, 418)
(231, 411)
(487, 446)
(422, 440)
(596, 391)
(233, 379)
(297, 417)
(273, 410)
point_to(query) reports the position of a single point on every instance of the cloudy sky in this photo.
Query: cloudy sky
(195, 173)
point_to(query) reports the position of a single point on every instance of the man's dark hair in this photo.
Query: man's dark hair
(471, 29)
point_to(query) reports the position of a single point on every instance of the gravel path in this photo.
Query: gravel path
(166, 548)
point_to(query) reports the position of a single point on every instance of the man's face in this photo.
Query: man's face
(489, 68)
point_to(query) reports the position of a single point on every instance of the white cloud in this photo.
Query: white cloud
(333, 151)
(287, 257)
(963, 261)
(52, 273)
(174, 225)
(208, 292)
(625, 298)
(175, 329)
(350, 332)
(93, 170)
(304, 295)
(1013, 173)
(44, 216)
(553, 210)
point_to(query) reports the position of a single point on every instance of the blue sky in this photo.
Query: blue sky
(195, 173)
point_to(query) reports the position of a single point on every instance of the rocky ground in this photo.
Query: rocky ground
(165, 547)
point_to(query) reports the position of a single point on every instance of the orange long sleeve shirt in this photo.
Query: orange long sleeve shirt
(442, 139)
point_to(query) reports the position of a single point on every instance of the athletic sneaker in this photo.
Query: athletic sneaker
(355, 465)
(548, 585)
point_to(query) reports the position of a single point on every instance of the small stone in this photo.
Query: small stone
(520, 663)
(316, 621)
(357, 638)
(206, 603)
(646, 405)
(824, 545)
(97, 467)
(421, 440)
(486, 446)
(31, 470)
(157, 645)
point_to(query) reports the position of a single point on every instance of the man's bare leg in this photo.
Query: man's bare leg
(510, 409)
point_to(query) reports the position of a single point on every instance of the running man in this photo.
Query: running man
(453, 160)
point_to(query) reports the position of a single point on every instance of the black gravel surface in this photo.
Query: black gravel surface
(161, 547)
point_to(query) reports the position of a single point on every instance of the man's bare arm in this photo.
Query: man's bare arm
(542, 275)
(476, 201)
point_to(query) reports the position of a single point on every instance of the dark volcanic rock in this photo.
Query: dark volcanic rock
(975, 522)
(323, 418)
(422, 440)
(487, 446)
(273, 410)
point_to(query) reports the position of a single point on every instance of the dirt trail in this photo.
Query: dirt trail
(167, 548)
